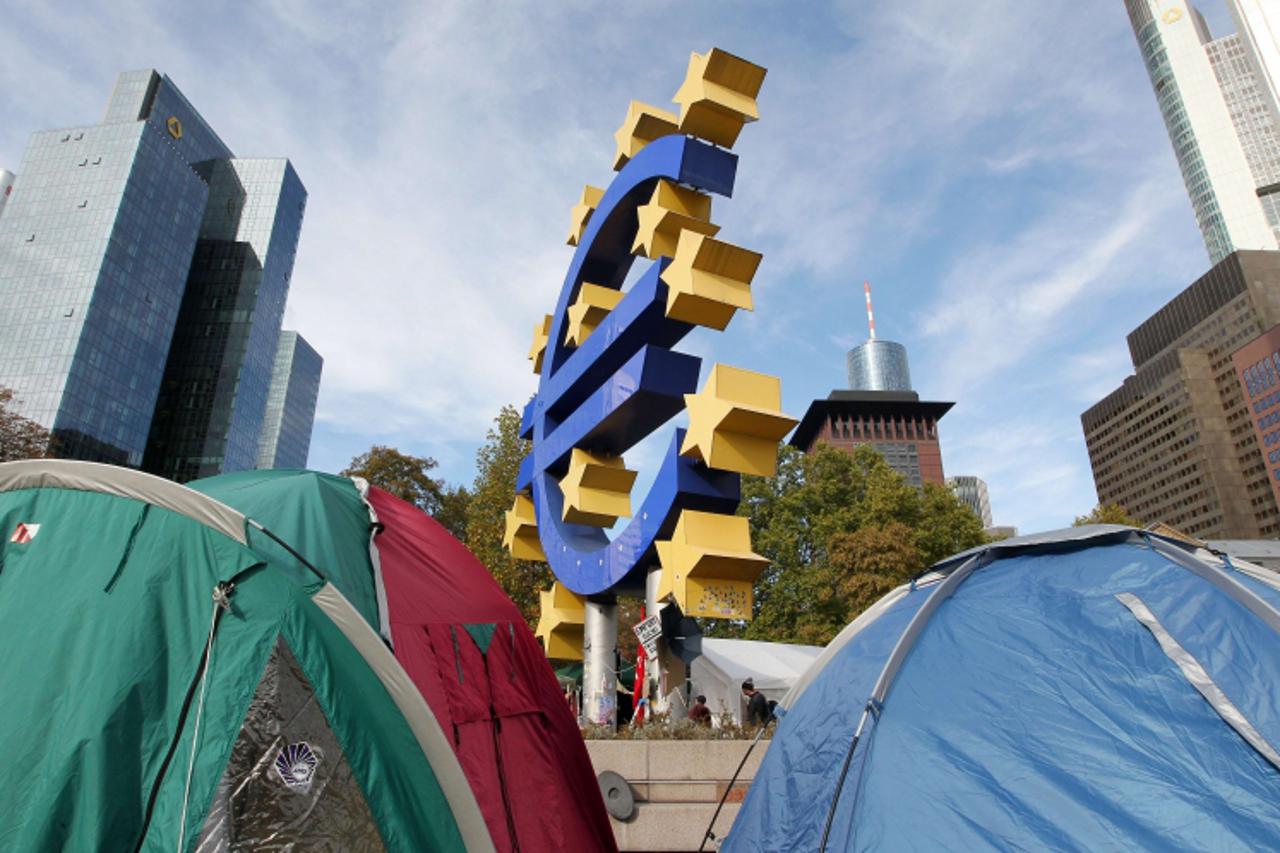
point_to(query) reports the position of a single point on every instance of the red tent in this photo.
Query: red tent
(469, 651)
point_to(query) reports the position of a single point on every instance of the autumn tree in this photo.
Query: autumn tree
(497, 465)
(405, 476)
(1107, 514)
(840, 530)
(20, 437)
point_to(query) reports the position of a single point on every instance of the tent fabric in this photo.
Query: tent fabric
(126, 483)
(105, 620)
(724, 664)
(468, 649)
(1036, 710)
(321, 516)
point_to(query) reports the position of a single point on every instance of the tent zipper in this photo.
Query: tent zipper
(497, 753)
(222, 597)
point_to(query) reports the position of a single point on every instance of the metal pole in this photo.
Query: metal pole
(599, 673)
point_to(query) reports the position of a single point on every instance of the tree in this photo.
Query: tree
(1107, 514)
(407, 477)
(497, 464)
(20, 437)
(840, 530)
(454, 501)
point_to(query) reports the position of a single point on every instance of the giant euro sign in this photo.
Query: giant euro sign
(610, 374)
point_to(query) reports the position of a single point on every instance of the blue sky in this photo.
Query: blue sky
(997, 169)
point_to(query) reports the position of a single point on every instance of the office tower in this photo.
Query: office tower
(209, 414)
(1219, 107)
(972, 491)
(291, 404)
(139, 250)
(1257, 368)
(1177, 442)
(879, 409)
(6, 187)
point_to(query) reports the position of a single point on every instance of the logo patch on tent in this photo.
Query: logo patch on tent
(296, 765)
(24, 533)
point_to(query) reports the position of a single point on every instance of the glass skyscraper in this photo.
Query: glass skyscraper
(138, 255)
(291, 404)
(1218, 103)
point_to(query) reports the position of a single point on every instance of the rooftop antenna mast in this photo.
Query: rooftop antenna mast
(871, 318)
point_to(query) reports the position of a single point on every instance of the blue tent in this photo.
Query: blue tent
(1096, 688)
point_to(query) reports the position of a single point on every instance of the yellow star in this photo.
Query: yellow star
(582, 211)
(642, 125)
(708, 566)
(597, 489)
(736, 422)
(708, 280)
(670, 209)
(718, 96)
(520, 535)
(560, 623)
(541, 336)
(591, 307)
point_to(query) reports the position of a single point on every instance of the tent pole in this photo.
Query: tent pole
(599, 673)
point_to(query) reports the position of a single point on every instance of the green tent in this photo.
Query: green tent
(175, 676)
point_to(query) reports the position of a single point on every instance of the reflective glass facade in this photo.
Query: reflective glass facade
(1219, 121)
(97, 242)
(209, 416)
(878, 366)
(291, 404)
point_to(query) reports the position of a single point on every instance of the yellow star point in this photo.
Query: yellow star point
(541, 336)
(736, 422)
(709, 280)
(708, 566)
(560, 623)
(520, 534)
(582, 211)
(593, 304)
(718, 96)
(670, 210)
(597, 489)
(643, 124)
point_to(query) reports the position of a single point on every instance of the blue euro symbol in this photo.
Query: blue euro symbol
(624, 382)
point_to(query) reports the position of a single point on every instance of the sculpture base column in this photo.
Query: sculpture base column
(599, 672)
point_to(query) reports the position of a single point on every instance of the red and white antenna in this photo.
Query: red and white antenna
(871, 318)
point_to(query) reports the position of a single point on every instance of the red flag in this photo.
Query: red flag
(638, 690)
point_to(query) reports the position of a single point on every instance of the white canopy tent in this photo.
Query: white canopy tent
(724, 664)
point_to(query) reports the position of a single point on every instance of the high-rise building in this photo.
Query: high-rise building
(6, 187)
(972, 491)
(291, 404)
(1177, 442)
(881, 410)
(1219, 107)
(1257, 367)
(209, 414)
(141, 250)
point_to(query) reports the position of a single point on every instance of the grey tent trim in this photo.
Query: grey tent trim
(917, 625)
(1220, 579)
(853, 629)
(436, 747)
(375, 560)
(1199, 678)
(125, 483)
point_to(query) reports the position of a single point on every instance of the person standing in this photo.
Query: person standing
(757, 705)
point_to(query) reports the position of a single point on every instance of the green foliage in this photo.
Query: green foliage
(20, 437)
(497, 465)
(407, 477)
(454, 501)
(840, 530)
(1107, 514)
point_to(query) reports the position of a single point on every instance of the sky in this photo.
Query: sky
(997, 169)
